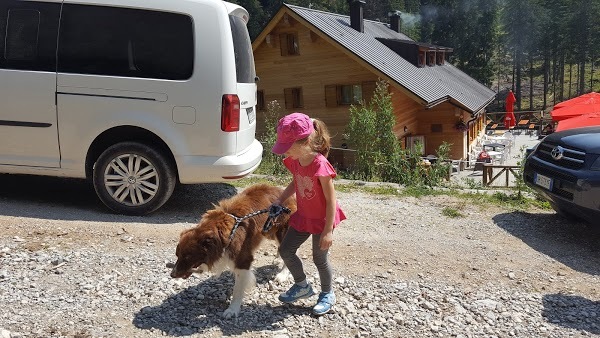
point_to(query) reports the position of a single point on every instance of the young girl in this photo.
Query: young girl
(305, 143)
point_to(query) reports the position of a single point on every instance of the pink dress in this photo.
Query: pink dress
(310, 216)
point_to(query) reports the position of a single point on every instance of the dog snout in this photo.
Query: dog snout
(175, 273)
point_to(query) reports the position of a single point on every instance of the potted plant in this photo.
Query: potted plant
(460, 125)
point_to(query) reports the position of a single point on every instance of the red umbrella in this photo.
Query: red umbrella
(579, 122)
(589, 98)
(509, 118)
(574, 110)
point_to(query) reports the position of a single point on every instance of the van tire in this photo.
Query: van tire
(130, 170)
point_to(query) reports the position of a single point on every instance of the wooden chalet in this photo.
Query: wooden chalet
(321, 63)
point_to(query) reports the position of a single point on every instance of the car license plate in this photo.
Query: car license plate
(251, 114)
(543, 181)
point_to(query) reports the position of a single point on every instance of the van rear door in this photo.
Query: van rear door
(245, 74)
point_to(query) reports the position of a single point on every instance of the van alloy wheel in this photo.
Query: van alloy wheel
(133, 178)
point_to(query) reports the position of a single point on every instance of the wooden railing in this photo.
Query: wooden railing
(525, 120)
(489, 178)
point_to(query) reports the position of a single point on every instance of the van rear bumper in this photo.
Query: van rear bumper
(205, 169)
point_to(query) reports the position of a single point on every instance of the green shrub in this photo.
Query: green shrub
(379, 154)
(271, 163)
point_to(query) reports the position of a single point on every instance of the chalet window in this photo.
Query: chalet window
(260, 100)
(431, 58)
(288, 43)
(440, 58)
(293, 98)
(350, 94)
(422, 59)
(436, 128)
(336, 95)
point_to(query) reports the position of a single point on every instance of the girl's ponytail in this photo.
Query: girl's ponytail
(319, 141)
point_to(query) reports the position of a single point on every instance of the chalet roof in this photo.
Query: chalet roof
(433, 85)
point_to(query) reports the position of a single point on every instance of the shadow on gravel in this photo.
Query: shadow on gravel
(573, 312)
(574, 244)
(74, 199)
(198, 309)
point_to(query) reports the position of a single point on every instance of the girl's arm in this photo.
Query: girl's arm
(287, 192)
(329, 192)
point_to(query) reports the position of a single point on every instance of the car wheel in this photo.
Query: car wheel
(132, 178)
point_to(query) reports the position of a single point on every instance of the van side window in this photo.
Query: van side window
(22, 30)
(125, 42)
(28, 33)
(242, 46)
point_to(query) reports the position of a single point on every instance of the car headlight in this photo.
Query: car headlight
(596, 164)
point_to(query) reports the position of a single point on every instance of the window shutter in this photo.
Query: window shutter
(331, 96)
(368, 89)
(283, 44)
(289, 98)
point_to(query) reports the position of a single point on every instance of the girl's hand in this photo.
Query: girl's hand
(326, 240)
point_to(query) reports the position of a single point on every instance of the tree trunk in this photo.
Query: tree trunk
(592, 73)
(514, 66)
(561, 77)
(545, 66)
(554, 70)
(530, 82)
(518, 79)
(570, 78)
(582, 77)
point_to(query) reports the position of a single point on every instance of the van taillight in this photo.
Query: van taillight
(230, 113)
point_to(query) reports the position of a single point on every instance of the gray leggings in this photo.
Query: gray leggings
(289, 246)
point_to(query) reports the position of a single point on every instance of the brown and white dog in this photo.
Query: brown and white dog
(206, 247)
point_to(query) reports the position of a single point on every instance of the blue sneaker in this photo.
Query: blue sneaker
(296, 292)
(325, 303)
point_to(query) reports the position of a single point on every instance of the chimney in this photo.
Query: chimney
(356, 14)
(395, 21)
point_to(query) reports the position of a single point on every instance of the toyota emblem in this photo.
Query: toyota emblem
(557, 152)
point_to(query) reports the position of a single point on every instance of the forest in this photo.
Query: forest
(546, 51)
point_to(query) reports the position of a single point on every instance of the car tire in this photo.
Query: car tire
(132, 178)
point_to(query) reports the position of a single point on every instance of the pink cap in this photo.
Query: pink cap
(291, 128)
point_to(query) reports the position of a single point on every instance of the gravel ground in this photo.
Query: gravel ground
(68, 268)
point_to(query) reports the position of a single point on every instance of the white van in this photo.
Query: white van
(135, 95)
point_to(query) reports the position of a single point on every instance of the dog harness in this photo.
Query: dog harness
(274, 212)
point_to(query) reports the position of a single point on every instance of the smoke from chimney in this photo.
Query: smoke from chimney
(395, 21)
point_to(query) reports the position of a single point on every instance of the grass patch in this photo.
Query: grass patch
(507, 199)
(382, 190)
(451, 212)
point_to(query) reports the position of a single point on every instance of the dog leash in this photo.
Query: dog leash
(274, 212)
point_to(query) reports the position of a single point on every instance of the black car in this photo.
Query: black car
(565, 168)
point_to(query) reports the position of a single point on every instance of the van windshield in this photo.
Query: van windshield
(244, 59)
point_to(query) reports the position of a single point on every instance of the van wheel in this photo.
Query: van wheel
(133, 179)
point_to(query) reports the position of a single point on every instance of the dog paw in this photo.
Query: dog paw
(231, 313)
(282, 276)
